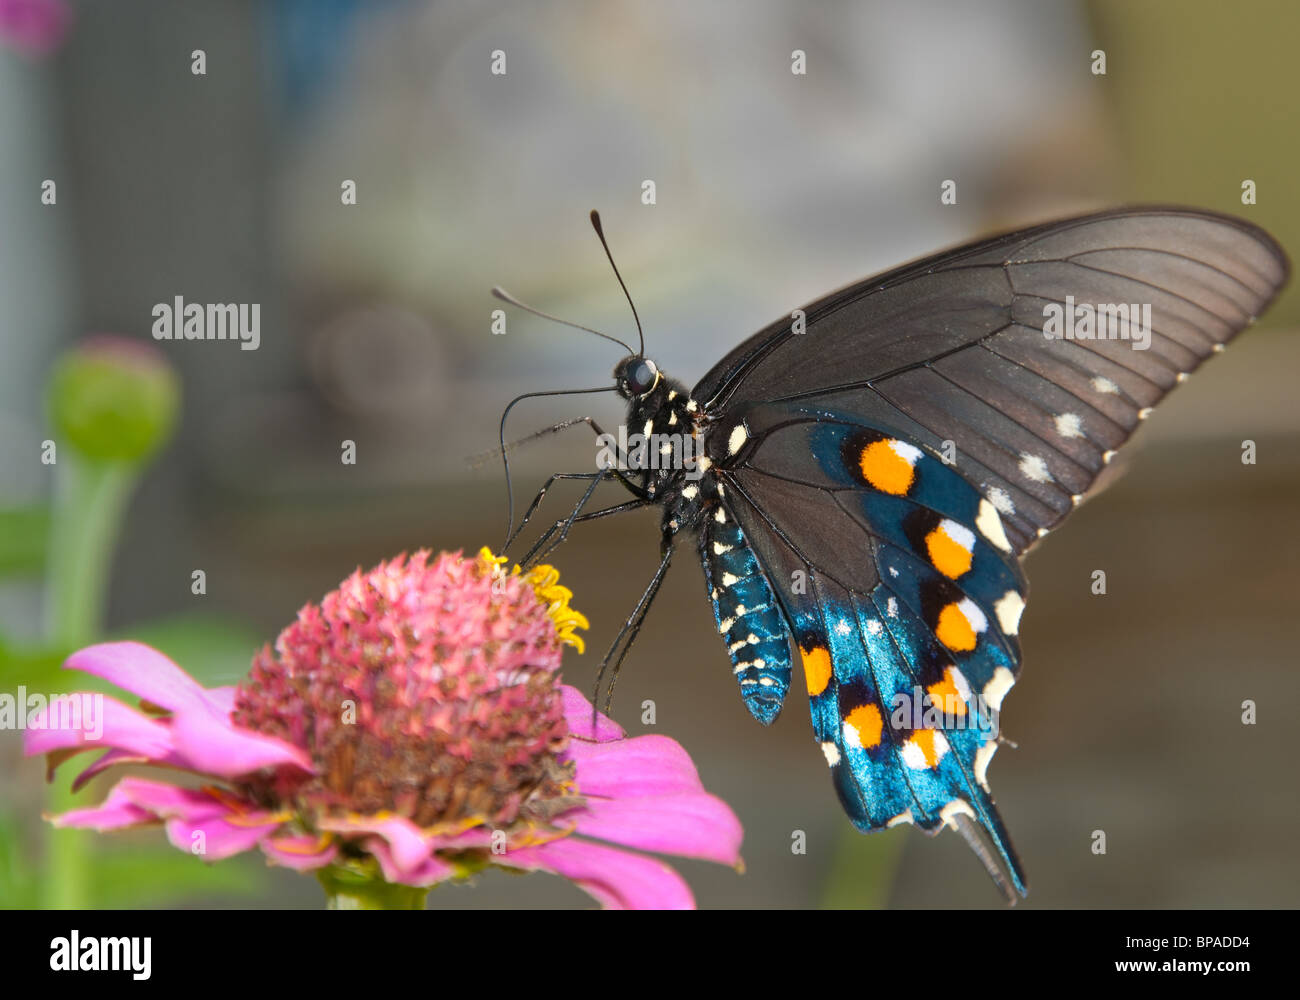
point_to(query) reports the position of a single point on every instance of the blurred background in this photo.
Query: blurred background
(771, 189)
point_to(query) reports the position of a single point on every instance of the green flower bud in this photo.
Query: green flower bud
(114, 399)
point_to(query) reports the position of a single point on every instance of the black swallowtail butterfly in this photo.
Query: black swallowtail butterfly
(860, 481)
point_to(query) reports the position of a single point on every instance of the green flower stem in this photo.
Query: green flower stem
(347, 889)
(89, 502)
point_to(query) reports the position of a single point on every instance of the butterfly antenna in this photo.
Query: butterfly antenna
(504, 296)
(595, 222)
(505, 455)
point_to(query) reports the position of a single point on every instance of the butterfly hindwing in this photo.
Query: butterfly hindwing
(898, 586)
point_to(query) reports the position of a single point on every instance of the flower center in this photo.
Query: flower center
(425, 690)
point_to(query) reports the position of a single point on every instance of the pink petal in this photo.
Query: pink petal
(166, 801)
(428, 872)
(222, 699)
(408, 844)
(618, 879)
(643, 765)
(202, 734)
(143, 671)
(694, 826)
(35, 27)
(116, 812)
(301, 852)
(221, 837)
(114, 757)
(577, 713)
(212, 744)
(226, 830)
(121, 727)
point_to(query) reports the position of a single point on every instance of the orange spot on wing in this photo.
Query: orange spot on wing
(946, 696)
(866, 722)
(816, 668)
(948, 557)
(886, 469)
(924, 740)
(953, 630)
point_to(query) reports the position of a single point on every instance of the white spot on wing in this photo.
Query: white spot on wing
(999, 498)
(990, 526)
(1068, 425)
(908, 452)
(914, 756)
(996, 689)
(982, 757)
(1009, 607)
(959, 533)
(1034, 467)
(737, 439)
(831, 752)
(973, 614)
(955, 808)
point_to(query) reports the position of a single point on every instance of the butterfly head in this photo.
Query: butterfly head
(636, 376)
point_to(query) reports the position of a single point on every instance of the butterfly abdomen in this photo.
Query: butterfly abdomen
(748, 616)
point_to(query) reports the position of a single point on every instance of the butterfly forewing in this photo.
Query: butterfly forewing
(955, 350)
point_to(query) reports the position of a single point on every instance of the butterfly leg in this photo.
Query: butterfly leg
(628, 633)
(603, 474)
(537, 500)
(562, 527)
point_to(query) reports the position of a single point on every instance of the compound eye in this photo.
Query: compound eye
(641, 376)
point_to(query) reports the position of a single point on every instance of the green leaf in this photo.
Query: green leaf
(24, 536)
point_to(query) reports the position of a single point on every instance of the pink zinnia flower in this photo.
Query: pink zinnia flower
(34, 26)
(410, 729)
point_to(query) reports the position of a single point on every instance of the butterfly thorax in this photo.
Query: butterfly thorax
(665, 447)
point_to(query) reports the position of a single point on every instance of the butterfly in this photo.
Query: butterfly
(860, 480)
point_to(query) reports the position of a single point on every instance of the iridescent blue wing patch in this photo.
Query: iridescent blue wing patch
(902, 595)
